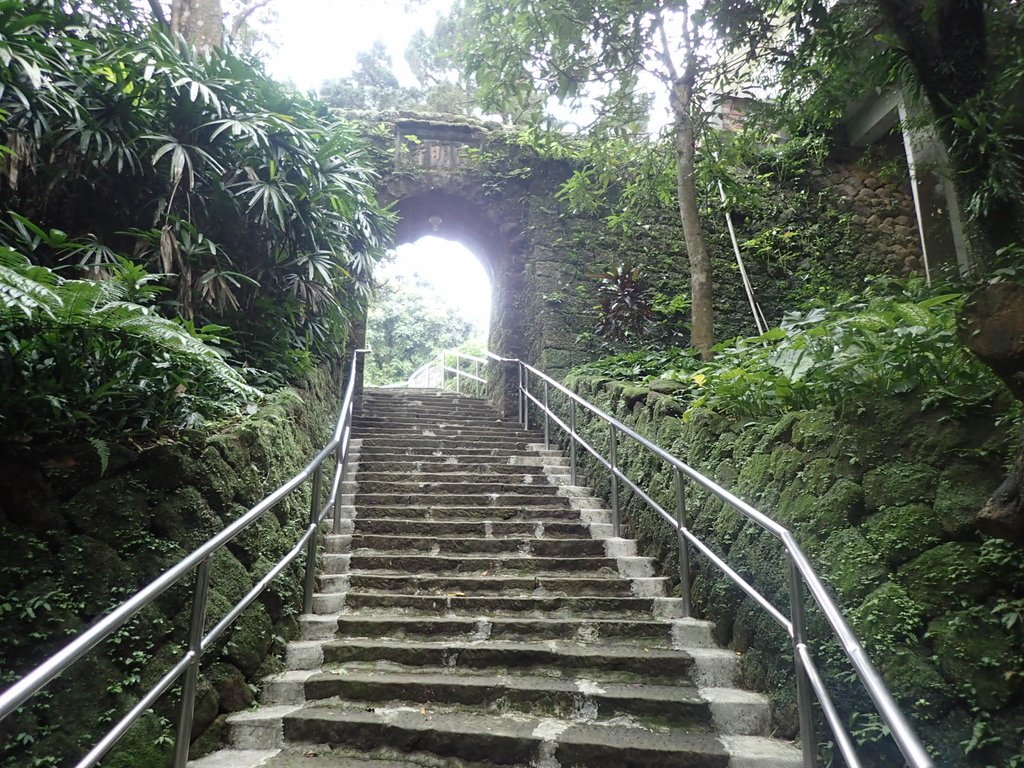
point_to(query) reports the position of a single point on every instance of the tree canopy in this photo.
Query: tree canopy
(407, 326)
(247, 208)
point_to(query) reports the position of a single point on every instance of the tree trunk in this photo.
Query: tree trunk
(702, 335)
(200, 22)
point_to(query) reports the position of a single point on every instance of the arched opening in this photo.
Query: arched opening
(432, 295)
(456, 209)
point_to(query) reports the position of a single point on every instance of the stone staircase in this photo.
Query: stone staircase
(477, 611)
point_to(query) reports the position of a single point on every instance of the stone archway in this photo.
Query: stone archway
(442, 200)
(463, 180)
(453, 216)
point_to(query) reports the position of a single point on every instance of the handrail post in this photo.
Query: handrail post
(684, 545)
(458, 373)
(340, 460)
(572, 442)
(191, 679)
(309, 584)
(547, 420)
(522, 400)
(804, 693)
(525, 394)
(613, 460)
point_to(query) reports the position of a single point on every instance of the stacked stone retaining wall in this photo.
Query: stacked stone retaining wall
(76, 544)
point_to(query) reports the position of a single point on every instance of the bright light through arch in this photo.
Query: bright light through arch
(456, 275)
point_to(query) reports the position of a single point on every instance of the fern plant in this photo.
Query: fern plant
(77, 356)
(879, 343)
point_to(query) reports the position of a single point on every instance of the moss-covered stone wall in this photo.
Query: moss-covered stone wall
(882, 502)
(76, 544)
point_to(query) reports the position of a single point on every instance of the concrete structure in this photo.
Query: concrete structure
(877, 115)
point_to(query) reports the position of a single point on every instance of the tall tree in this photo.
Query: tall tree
(594, 52)
(372, 85)
(200, 22)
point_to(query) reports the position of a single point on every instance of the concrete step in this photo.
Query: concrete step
(501, 473)
(373, 449)
(439, 426)
(476, 515)
(419, 398)
(452, 411)
(603, 663)
(548, 528)
(320, 756)
(415, 437)
(494, 446)
(452, 472)
(477, 605)
(528, 694)
(506, 585)
(441, 563)
(506, 740)
(527, 498)
(424, 462)
(584, 631)
(461, 487)
(444, 545)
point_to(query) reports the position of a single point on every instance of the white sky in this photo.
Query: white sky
(317, 40)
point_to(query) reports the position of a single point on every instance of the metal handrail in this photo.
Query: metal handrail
(801, 572)
(440, 361)
(200, 560)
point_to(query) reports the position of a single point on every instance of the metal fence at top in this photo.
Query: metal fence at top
(199, 561)
(446, 371)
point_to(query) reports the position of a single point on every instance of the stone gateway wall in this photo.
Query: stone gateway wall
(76, 544)
(882, 503)
(882, 217)
(478, 184)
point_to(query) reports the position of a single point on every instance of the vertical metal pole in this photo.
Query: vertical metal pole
(572, 442)
(191, 678)
(526, 399)
(314, 512)
(340, 460)
(522, 400)
(547, 420)
(684, 545)
(613, 459)
(458, 373)
(479, 384)
(804, 693)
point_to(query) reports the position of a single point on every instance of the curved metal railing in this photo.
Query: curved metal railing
(434, 373)
(199, 561)
(800, 574)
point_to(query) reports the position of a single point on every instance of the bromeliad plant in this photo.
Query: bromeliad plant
(624, 303)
